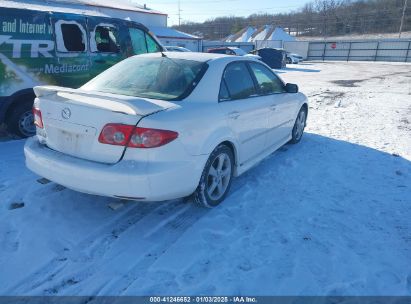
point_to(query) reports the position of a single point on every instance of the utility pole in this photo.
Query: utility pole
(403, 16)
(179, 13)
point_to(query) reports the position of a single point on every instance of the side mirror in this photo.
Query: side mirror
(291, 88)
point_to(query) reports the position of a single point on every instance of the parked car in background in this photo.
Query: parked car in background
(274, 58)
(58, 48)
(293, 58)
(162, 126)
(176, 49)
(232, 51)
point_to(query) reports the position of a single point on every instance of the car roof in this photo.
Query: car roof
(197, 56)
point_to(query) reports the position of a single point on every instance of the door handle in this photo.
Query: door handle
(273, 107)
(234, 115)
(99, 61)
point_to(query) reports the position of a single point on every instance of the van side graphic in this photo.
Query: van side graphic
(56, 48)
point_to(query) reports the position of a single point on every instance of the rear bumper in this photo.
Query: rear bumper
(136, 180)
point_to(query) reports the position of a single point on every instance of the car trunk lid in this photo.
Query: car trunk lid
(73, 120)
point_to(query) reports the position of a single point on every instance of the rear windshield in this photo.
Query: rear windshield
(157, 78)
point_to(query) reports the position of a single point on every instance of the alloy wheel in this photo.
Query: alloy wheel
(219, 176)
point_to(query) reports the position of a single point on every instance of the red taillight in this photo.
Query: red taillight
(151, 138)
(116, 134)
(38, 120)
(122, 135)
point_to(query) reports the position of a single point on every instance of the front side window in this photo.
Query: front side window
(138, 41)
(147, 77)
(152, 45)
(70, 36)
(106, 38)
(238, 80)
(268, 82)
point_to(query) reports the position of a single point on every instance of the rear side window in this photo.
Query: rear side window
(238, 80)
(268, 82)
(106, 38)
(70, 36)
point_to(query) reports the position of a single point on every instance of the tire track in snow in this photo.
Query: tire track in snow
(93, 261)
(147, 241)
(98, 241)
(162, 238)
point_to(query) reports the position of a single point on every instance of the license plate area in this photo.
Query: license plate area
(69, 138)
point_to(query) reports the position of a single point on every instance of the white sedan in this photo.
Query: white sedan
(163, 126)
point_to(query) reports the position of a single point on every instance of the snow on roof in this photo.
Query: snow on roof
(170, 33)
(78, 6)
(242, 36)
(269, 32)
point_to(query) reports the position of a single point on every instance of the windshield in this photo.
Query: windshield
(147, 77)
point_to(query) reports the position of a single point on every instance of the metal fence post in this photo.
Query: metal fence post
(325, 46)
(349, 52)
(376, 51)
(408, 51)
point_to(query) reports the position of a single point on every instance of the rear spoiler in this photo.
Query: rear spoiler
(127, 105)
(41, 91)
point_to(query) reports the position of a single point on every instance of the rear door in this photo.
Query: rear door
(245, 111)
(281, 104)
(72, 65)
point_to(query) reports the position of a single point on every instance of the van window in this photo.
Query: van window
(138, 41)
(152, 45)
(106, 39)
(70, 37)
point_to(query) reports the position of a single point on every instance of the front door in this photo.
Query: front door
(281, 106)
(106, 44)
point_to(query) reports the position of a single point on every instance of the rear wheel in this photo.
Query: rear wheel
(20, 119)
(299, 126)
(215, 182)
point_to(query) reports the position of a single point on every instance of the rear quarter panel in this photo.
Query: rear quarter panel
(201, 126)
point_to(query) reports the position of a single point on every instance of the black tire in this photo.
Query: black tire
(289, 61)
(201, 196)
(298, 130)
(20, 119)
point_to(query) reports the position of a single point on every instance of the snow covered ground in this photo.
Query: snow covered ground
(330, 216)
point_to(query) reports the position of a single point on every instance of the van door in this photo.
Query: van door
(107, 43)
(72, 65)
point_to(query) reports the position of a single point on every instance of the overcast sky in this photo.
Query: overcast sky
(201, 10)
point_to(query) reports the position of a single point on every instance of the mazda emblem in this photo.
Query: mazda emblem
(66, 113)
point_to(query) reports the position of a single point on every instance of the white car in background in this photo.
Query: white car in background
(176, 49)
(293, 58)
(163, 126)
(235, 51)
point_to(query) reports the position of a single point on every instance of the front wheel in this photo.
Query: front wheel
(215, 182)
(299, 126)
